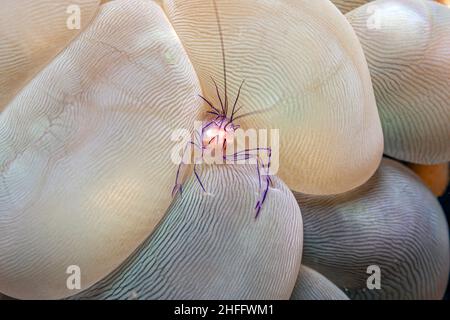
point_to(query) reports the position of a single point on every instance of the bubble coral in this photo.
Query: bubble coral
(86, 120)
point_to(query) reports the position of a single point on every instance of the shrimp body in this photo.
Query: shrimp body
(218, 132)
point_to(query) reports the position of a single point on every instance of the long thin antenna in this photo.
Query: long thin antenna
(236, 101)
(223, 55)
(252, 113)
(218, 94)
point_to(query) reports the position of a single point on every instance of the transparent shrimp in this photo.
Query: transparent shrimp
(218, 131)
